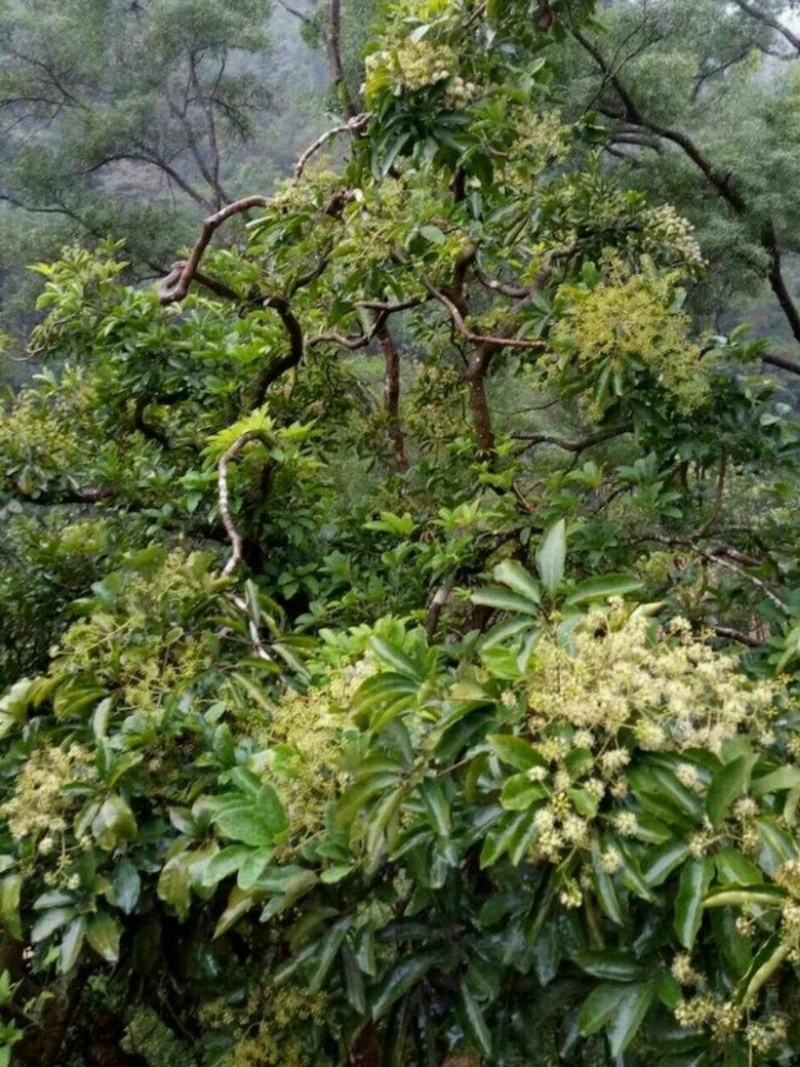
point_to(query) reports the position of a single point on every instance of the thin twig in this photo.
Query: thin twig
(235, 538)
(493, 341)
(710, 522)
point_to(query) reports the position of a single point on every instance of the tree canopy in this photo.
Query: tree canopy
(400, 599)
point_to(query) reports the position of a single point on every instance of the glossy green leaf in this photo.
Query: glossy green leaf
(516, 577)
(401, 979)
(516, 751)
(628, 1016)
(692, 889)
(519, 793)
(728, 783)
(72, 944)
(600, 1006)
(551, 557)
(103, 934)
(476, 1023)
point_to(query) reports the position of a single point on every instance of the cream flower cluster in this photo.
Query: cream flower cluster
(664, 228)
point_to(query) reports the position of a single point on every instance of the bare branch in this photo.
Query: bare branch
(710, 522)
(493, 342)
(738, 636)
(333, 35)
(353, 126)
(174, 288)
(234, 536)
(769, 19)
(534, 439)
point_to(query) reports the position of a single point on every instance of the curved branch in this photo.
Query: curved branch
(534, 439)
(354, 126)
(235, 538)
(175, 286)
(768, 19)
(286, 362)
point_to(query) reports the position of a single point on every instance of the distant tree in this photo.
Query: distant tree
(127, 118)
(699, 100)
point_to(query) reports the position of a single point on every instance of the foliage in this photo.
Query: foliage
(370, 619)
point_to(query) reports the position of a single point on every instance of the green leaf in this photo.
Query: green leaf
(516, 751)
(253, 867)
(50, 921)
(436, 805)
(606, 891)
(600, 1006)
(692, 890)
(174, 884)
(329, 950)
(777, 846)
(734, 868)
(355, 798)
(660, 862)
(254, 822)
(602, 587)
(396, 658)
(501, 837)
(401, 979)
(729, 783)
(610, 966)
(551, 557)
(103, 934)
(72, 944)
(127, 886)
(334, 875)
(225, 863)
(239, 903)
(514, 575)
(10, 891)
(113, 823)
(519, 792)
(783, 778)
(624, 1023)
(504, 601)
(476, 1024)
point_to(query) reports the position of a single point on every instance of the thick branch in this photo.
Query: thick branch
(492, 342)
(333, 36)
(175, 286)
(291, 359)
(632, 114)
(768, 19)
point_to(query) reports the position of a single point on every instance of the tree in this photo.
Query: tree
(352, 747)
(687, 90)
(134, 118)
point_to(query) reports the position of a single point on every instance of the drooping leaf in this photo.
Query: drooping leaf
(693, 887)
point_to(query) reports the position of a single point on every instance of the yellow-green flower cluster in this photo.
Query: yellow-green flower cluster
(626, 323)
(302, 750)
(724, 1019)
(412, 65)
(38, 809)
(272, 1027)
(676, 692)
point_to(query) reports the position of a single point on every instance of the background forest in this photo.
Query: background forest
(399, 571)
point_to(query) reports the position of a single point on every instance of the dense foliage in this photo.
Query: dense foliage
(400, 613)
